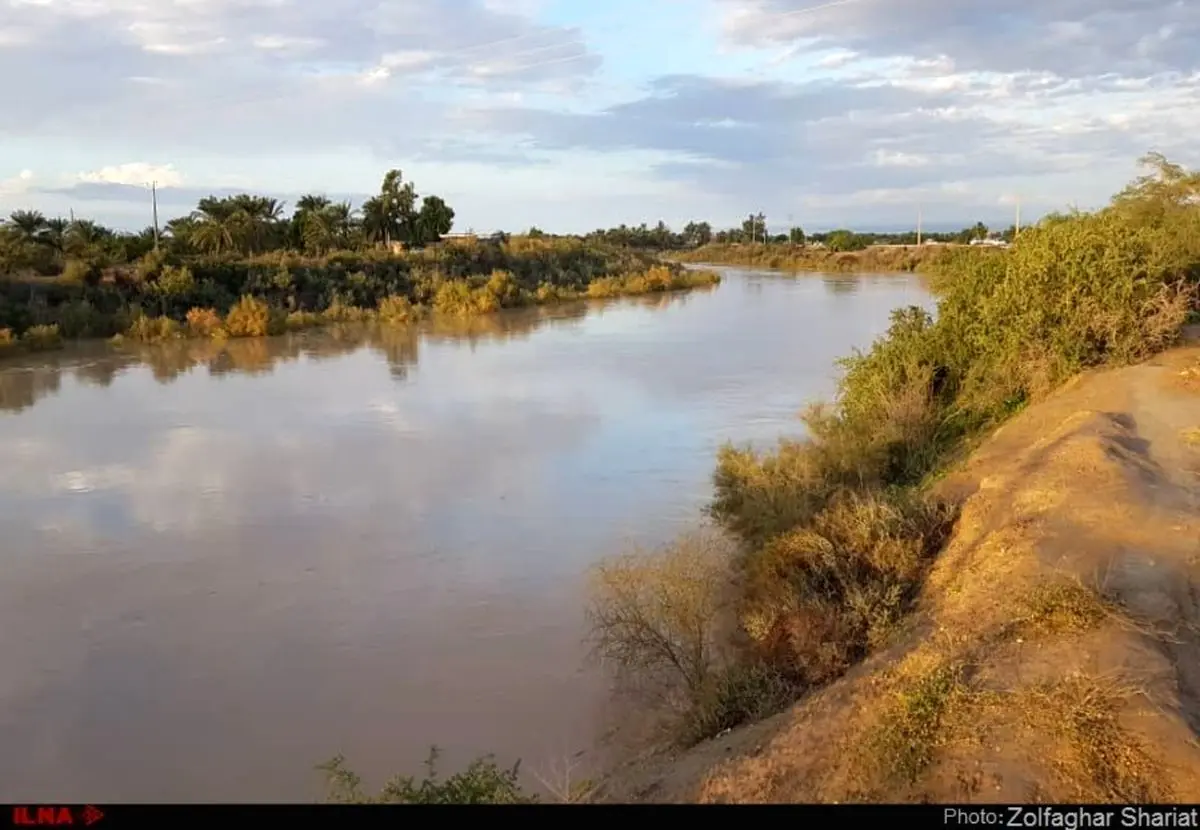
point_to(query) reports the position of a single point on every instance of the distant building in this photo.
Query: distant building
(472, 236)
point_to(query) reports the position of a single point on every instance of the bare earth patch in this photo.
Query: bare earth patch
(1055, 655)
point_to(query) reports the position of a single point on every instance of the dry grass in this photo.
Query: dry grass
(1188, 379)
(1097, 759)
(910, 731)
(1065, 607)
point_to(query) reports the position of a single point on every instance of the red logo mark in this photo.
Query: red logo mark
(91, 815)
(42, 815)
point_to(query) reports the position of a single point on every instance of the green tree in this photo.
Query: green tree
(434, 220)
(844, 240)
(754, 227)
(696, 234)
(796, 236)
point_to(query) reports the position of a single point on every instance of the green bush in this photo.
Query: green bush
(482, 782)
(738, 694)
(837, 528)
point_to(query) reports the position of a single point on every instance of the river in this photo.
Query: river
(222, 565)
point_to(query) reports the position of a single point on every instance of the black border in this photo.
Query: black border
(1071, 817)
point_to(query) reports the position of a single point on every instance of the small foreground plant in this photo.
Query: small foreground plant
(482, 782)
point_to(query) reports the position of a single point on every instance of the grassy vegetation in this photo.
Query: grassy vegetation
(790, 257)
(834, 534)
(482, 782)
(164, 296)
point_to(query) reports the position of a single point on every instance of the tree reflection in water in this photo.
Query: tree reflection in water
(26, 380)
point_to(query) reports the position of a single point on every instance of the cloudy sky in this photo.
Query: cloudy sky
(573, 114)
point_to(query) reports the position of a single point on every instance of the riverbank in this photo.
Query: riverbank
(878, 259)
(1052, 653)
(160, 298)
(903, 601)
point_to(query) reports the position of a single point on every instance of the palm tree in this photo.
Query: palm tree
(311, 203)
(316, 232)
(55, 233)
(375, 221)
(341, 222)
(308, 231)
(82, 234)
(28, 225)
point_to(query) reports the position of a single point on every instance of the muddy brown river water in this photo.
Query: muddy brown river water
(220, 566)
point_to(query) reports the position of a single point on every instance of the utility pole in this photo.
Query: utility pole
(154, 202)
(919, 217)
(1017, 226)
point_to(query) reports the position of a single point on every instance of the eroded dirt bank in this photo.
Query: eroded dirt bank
(1055, 655)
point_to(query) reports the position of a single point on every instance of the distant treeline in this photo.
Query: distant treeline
(236, 266)
(788, 257)
(754, 230)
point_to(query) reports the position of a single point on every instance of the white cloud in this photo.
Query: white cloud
(18, 184)
(837, 60)
(134, 173)
(891, 158)
(282, 43)
(407, 59)
(870, 96)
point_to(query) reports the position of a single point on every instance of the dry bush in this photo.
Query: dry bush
(659, 613)
(37, 338)
(822, 596)
(298, 320)
(148, 329)
(204, 322)
(396, 310)
(249, 317)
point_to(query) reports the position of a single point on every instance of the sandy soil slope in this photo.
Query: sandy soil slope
(1055, 655)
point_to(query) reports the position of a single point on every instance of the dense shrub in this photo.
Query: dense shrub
(148, 329)
(204, 322)
(249, 318)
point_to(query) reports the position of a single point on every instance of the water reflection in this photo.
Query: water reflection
(222, 563)
(841, 285)
(26, 380)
